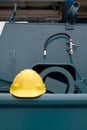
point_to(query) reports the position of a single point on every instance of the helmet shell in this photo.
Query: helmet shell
(27, 83)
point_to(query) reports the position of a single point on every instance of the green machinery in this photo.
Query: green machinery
(57, 51)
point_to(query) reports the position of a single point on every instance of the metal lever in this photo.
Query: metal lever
(12, 17)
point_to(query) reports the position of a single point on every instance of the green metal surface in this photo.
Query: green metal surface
(26, 38)
(50, 111)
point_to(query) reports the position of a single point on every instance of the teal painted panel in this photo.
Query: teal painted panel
(43, 118)
(50, 111)
(27, 41)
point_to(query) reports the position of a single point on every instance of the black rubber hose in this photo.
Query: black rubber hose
(57, 34)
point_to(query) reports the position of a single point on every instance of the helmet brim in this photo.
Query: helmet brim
(26, 93)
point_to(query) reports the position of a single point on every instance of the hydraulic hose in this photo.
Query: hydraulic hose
(67, 36)
(80, 76)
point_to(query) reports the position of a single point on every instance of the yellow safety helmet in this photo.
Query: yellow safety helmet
(27, 83)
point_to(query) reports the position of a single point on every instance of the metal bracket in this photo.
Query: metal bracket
(72, 15)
